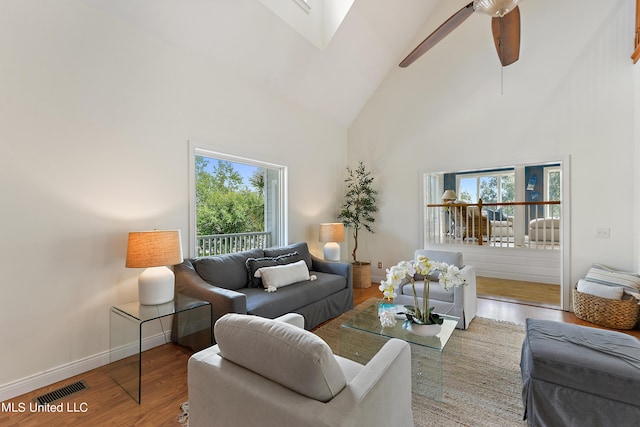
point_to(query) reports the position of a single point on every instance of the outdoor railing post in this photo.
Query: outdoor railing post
(479, 232)
(466, 226)
(217, 244)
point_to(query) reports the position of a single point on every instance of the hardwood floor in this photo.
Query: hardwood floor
(519, 291)
(164, 380)
(164, 388)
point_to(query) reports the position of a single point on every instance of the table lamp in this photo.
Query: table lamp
(449, 196)
(154, 250)
(331, 233)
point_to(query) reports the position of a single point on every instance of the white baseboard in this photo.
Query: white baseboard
(68, 370)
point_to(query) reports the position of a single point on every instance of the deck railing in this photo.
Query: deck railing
(531, 224)
(216, 244)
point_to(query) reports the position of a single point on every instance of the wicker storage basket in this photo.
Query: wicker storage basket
(362, 275)
(610, 313)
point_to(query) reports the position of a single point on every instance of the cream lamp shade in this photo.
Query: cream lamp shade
(331, 233)
(154, 250)
(449, 195)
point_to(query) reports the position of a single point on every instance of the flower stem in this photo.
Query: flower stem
(425, 300)
(415, 297)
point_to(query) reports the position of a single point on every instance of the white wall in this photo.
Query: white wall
(95, 118)
(570, 95)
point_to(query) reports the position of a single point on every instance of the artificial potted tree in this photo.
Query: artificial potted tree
(357, 213)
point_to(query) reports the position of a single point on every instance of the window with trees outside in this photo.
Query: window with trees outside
(237, 204)
(520, 194)
(552, 190)
(491, 187)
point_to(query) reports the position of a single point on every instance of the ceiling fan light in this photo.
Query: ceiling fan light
(496, 8)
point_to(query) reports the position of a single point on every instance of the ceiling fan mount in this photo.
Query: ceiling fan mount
(505, 25)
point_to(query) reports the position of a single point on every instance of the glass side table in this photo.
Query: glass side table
(191, 318)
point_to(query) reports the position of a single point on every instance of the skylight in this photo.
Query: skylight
(315, 20)
(304, 4)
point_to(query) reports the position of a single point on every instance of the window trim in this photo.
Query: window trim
(547, 170)
(197, 149)
(304, 4)
(498, 174)
(432, 187)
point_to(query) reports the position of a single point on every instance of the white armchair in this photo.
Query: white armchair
(461, 301)
(265, 372)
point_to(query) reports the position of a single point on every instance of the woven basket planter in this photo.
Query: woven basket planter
(610, 313)
(361, 275)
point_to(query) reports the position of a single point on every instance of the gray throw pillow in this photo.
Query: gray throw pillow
(226, 271)
(253, 264)
(301, 248)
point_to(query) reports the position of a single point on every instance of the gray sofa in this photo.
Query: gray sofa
(579, 376)
(226, 282)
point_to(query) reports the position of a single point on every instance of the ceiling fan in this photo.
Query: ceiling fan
(505, 26)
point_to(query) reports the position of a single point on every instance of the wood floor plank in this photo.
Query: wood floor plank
(164, 389)
(518, 291)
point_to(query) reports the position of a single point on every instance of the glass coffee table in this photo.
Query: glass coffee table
(363, 335)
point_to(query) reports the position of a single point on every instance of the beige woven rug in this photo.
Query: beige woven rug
(480, 370)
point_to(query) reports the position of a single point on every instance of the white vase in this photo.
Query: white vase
(424, 330)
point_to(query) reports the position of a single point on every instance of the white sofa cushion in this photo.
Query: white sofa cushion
(602, 291)
(283, 275)
(254, 264)
(285, 354)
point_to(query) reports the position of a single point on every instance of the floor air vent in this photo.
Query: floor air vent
(61, 393)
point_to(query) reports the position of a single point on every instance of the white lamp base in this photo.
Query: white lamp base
(332, 251)
(156, 286)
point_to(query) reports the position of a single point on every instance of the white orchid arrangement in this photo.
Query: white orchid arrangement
(450, 277)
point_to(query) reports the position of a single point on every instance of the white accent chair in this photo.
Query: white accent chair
(461, 301)
(265, 372)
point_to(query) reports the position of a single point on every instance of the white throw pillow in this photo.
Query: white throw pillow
(283, 353)
(603, 291)
(283, 275)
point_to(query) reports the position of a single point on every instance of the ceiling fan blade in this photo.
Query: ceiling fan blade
(441, 32)
(506, 36)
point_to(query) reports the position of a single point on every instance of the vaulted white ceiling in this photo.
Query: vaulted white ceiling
(249, 39)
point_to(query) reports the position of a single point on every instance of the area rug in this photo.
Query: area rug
(480, 373)
(480, 370)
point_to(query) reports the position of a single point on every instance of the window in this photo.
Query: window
(316, 20)
(491, 187)
(236, 203)
(552, 191)
(524, 188)
(508, 251)
(304, 4)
